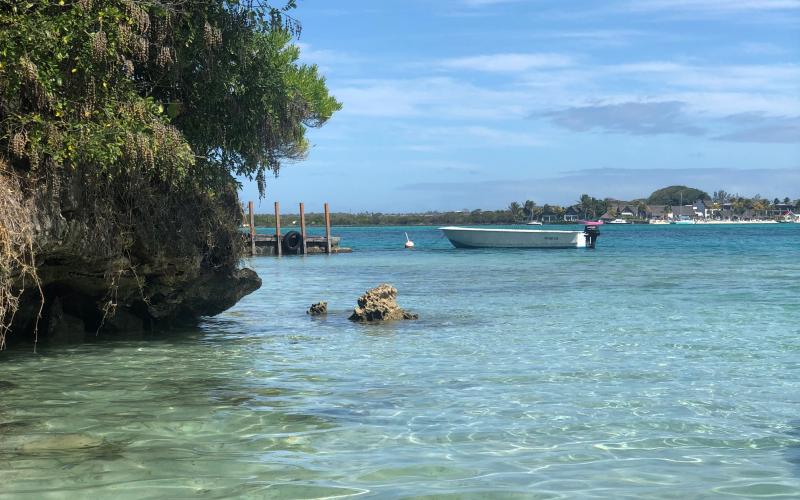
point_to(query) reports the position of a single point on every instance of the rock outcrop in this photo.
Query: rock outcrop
(318, 309)
(380, 304)
(156, 269)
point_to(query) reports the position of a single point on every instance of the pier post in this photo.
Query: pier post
(303, 227)
(327, 229)
(252, 228)
(278, 228)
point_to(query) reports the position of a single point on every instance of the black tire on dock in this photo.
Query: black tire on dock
(292, 242)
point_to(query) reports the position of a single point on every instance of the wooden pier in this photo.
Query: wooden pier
(293, 242)
(265, 244)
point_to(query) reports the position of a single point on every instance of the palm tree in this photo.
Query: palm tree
(641, 209)
(528, 208)
(760, 205)
(587, 203)
(516, 210)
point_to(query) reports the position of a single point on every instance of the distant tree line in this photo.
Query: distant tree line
(586, 207)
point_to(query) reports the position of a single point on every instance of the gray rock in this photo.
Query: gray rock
(380, 304)
(177, 266)
(318, 309)
(63, 327)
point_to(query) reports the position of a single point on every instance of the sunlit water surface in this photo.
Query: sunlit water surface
(664, 364)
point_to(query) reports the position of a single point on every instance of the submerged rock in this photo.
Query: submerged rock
(380, 304)
(318, 309)
(59, 442)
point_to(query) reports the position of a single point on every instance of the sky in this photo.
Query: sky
(454, 104)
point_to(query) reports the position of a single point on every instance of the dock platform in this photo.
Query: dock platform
(265, 245)
(293, 242)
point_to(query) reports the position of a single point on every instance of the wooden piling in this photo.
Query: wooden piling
(303, 227)
(278, 228)
(327, 229)
(252, 228)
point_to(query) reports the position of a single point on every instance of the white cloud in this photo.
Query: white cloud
(715, 5)
(481, 3)
(477, 136)
(435, 98)
(763, 49)
(324, 58)
(512, 63)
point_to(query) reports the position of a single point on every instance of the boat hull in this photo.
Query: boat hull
(465, 237)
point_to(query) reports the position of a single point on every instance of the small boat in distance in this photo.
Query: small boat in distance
(684, 219)
(468, 237)
(533, 223)
(618, 221)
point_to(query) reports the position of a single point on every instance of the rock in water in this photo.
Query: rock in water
(318, 309)
(380, 304)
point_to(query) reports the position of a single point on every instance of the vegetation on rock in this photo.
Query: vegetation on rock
(124, 123)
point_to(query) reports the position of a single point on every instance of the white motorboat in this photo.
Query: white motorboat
(468, 237)
(618, 221)
(533, 223)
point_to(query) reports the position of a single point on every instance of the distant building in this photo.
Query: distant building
(730, 214)
(659, 212)
(550, 215)
(572, 214)
(699, 207)
(683, 211)
(780, 209)
(624, 209)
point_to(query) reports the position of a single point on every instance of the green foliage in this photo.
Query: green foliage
(67, 100)
(590, 207)
(675, 195)
(131, 117)
(177, 91)
(516, 211)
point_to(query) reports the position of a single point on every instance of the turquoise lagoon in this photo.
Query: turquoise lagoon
(664, 364)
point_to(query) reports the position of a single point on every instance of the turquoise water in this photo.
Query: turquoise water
(664, 364)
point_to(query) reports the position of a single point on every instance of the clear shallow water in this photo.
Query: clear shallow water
(665, 364)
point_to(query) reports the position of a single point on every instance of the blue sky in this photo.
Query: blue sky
(475, 103)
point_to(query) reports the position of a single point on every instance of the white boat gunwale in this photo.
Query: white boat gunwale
(511, 230)
(470, 237)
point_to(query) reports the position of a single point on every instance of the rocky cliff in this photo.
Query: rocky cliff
(107, 263)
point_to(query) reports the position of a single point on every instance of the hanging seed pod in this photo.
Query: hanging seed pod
(125, 36)
(33, 158)
(212, 36)
(99, 45)
(17, 144)
(127, 67)
(164, 57)
(29, 70)
(142, 49)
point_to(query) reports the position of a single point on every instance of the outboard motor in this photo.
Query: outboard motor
(591, 232)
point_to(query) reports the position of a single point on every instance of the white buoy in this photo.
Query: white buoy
(409, 243)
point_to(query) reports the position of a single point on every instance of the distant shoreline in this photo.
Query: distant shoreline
(638, 223)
